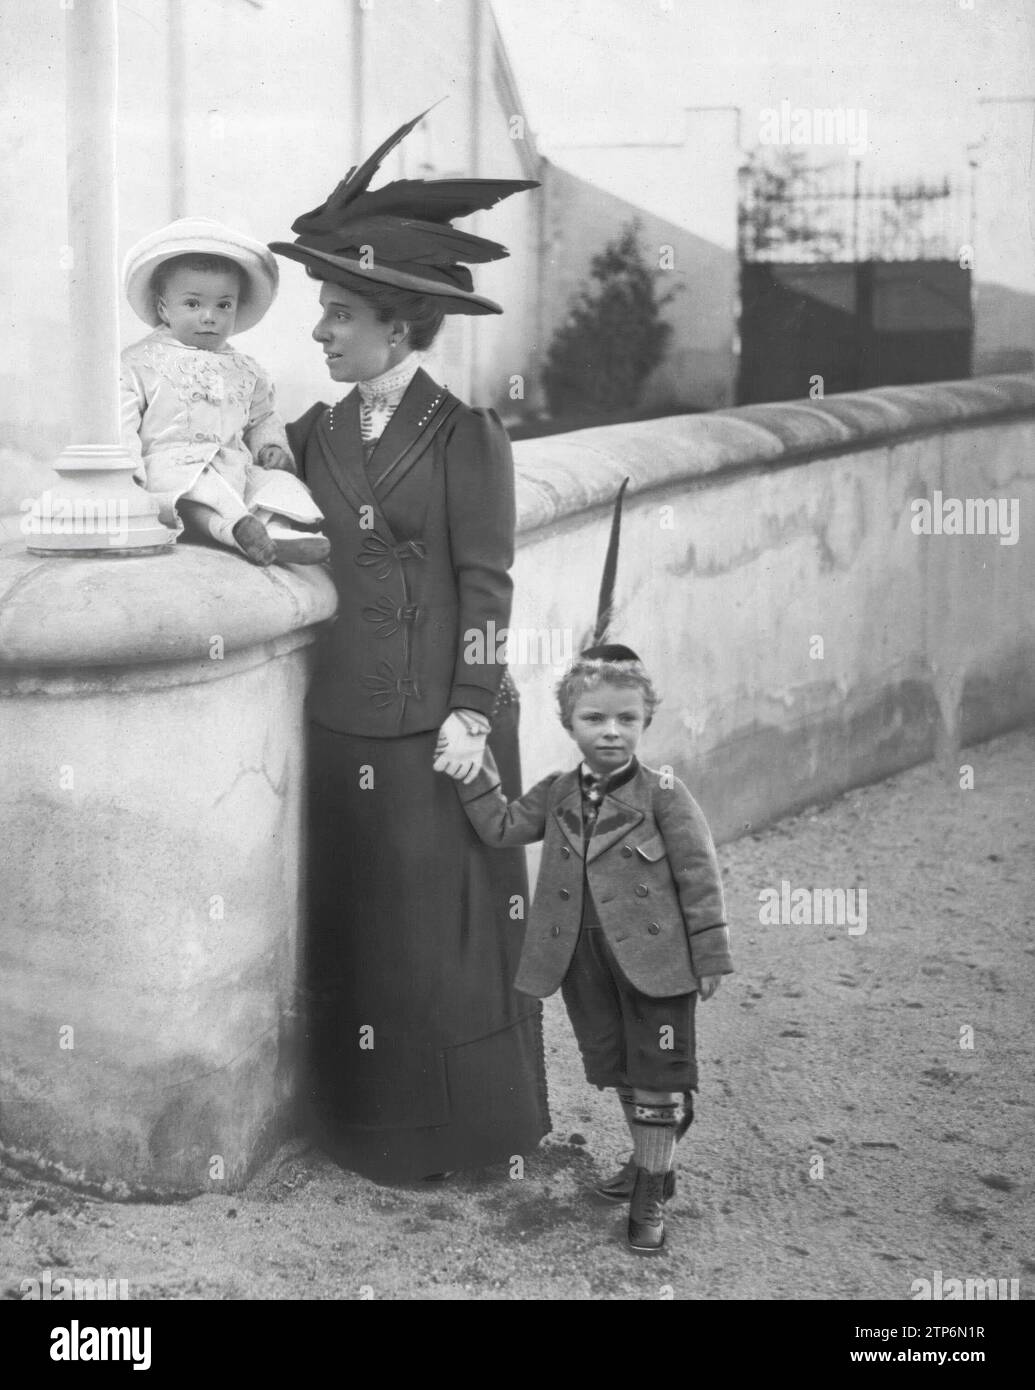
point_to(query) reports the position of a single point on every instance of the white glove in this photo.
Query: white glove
(461, 744)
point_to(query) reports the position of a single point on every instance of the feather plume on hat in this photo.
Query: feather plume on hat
(401, 234)
(599, 647)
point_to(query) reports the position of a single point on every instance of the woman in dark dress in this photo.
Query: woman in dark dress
(424, 1059)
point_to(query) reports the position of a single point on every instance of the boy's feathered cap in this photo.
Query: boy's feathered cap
(200, 236)
(600, 649)
(400, 234)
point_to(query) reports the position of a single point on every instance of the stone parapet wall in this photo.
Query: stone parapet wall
(804, 639)
(748, 534)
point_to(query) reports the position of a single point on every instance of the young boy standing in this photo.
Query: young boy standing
(628, 918)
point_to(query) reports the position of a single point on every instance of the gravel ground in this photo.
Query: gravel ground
(825, 1046)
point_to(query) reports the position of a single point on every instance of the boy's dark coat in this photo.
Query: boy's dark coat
(651, 868)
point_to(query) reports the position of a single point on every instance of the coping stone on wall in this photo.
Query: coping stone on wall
(564, 474)
(153, 609)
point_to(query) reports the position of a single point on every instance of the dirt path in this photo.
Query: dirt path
(825, 1045)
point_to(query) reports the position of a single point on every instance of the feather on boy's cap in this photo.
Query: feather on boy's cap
(401, 234)
(609, 651)
(201, 236)
(601, 648)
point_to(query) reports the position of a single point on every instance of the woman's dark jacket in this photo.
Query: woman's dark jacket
(420, 553)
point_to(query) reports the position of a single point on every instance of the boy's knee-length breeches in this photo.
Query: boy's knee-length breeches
(627, 1038)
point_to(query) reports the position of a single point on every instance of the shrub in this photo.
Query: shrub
(614, 337)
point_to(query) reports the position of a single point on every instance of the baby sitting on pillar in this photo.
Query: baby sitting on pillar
(198, 414)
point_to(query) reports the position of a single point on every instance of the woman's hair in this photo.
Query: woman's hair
(192, 260)
(586, 673)
(422, 312)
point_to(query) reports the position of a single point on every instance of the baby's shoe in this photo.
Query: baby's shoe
(254, 541)
(619, 1186)
(300, 547)
(296, 544)
(646, 1233)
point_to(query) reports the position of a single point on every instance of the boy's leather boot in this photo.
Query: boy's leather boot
(647, 1213)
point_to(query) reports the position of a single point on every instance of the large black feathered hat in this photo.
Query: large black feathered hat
(600, 649)
(401, 234)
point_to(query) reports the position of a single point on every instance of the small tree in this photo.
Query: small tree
(614, 336)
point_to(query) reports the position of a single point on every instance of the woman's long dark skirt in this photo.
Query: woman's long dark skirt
(422, 1057)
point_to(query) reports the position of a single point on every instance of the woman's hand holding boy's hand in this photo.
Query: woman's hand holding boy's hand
(707, 985)
(273, 456)
(461, 744)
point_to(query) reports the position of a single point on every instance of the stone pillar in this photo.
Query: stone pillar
(151, 812)
(98, 509)
(358, 36)
(176, 115)
(91, 88)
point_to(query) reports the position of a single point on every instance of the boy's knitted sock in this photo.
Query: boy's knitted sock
(625, 1096)
(655, 1116)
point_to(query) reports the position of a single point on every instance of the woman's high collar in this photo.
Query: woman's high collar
(391, 385)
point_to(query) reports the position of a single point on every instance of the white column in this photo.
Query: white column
(176, 75)
(98, 509)
(90, 85)
(358, 36)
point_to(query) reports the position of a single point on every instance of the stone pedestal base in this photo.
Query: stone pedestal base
(98, 510)
(151, 805)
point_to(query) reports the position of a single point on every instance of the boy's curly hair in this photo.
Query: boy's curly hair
(586, 673)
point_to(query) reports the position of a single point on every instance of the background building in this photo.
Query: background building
(580, 218)
(683, 189)
(250, 112)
